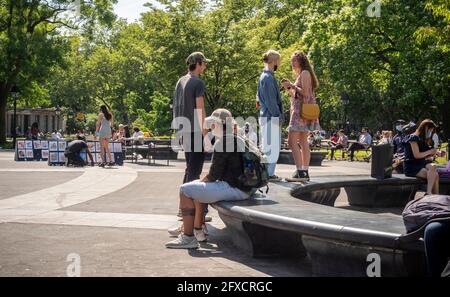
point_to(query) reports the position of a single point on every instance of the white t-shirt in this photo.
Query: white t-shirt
(251, 135)
(435, 140)
(138, 134)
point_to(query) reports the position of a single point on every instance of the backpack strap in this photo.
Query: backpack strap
(267, 190)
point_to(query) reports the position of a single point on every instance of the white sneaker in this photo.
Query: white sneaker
(274, 178)
(175, 231)
(205, 229)
(200, 235)
(183, 242)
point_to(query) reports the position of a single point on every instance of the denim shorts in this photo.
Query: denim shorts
(212, 192)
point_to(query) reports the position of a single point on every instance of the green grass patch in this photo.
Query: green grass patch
(360, 155)
(6, 146)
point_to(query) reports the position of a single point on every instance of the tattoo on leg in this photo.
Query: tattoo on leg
(188, 212)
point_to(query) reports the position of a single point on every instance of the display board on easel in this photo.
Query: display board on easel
(53, 151)
(32, 150)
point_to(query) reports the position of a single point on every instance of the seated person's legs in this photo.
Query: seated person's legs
(430, 174)
(432, 169)
(193, 197)
(352, 150)
(355, 147)
(437, 246)
(188, 213)
(334, 148)
(212, 192)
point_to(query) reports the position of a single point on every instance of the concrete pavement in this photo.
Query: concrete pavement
(116, 221)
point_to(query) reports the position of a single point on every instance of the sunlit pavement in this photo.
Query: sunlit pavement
(115, 220)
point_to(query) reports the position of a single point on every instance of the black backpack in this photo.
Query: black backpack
(255, 170)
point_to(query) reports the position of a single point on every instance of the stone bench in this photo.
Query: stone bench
(364, 191)
(159, 152)
(337, 241)
(287, 158)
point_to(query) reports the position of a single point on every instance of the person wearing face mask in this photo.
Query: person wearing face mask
(221, 183)
(247, 133)
(435, 139)
(399, 147)
(271, 111)
(386, 137)
(416, 153)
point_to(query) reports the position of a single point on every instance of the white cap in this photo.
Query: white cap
(218, 116)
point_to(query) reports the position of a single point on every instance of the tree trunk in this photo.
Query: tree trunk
(446, 119)
(3, 104)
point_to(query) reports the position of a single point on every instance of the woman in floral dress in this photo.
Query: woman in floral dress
(302, 91)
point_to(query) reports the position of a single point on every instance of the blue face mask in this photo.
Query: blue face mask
(399, 128)
(429, 134)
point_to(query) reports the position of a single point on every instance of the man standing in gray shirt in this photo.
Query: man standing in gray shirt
(189, 116)
(189, 104)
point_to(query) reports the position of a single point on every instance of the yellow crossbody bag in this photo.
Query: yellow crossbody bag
(310, 112)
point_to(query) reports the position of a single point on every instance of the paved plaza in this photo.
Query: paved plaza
(116, 219)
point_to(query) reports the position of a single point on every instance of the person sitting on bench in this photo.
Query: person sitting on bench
(220, 184)
(365, 140)
(73, 151)
(342, 143)
(399, 146)
(416, 153)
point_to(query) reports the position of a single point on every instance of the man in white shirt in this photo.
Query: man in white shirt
(137, 133)
(365, 140)
(248, 133)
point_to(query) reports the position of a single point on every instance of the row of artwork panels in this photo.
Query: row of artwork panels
(94, 146)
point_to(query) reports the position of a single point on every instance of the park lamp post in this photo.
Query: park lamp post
(15, 94)
(58, 113)
(345, 99)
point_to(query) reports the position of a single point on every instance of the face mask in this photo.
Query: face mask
(217, 132)
(429, 134)
(399, 128)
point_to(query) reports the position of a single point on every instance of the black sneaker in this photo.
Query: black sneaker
(306, 175)
(298, 176)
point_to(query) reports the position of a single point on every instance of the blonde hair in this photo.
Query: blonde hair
(271, 56)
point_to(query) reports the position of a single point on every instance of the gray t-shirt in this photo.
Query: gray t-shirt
(184, 103)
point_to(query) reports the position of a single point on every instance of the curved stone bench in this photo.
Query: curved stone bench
(337, 241)
(287, 158)
(364, 191)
